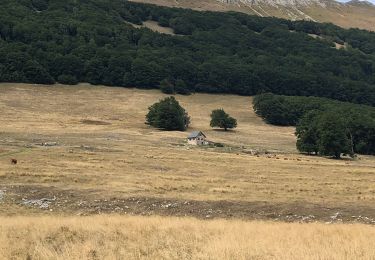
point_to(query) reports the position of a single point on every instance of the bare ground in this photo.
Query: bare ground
(35, 200)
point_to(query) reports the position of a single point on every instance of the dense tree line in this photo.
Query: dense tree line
(324, 126)
(288, 110)
(337, 131)
(47, 41)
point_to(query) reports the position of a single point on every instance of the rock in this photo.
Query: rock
(43, 203)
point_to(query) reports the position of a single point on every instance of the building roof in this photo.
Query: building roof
(195, 134)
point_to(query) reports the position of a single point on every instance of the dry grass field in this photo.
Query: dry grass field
(85, 150)
(88, 148)
(114, 237)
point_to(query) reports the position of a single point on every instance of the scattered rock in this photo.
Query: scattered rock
(169, 205)
(43, 203)
(43, 198)
(336, 216)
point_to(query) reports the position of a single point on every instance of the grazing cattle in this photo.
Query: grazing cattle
(14, 161)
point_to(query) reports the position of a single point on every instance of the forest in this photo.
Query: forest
(324, 126)
(48, 41)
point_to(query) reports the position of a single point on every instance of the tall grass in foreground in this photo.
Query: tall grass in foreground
(118, 237)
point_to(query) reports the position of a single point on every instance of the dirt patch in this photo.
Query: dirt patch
(88, 203)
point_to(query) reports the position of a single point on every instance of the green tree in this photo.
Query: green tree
(333, 136)
(307, 133)
(168, 114)
(40, 5)
(146, 74)
(221, 119)
(181, 87)
(163, 22)
(167, 87)
(67, 80)
(35, 73)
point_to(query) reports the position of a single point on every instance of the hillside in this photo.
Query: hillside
(87, 150)
(213, 52)
(94, 182)
(354, 14)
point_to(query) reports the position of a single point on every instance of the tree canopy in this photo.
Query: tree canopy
(167, 114)
(92, 41)
(324, 126)
(219, 118)
(325, 134)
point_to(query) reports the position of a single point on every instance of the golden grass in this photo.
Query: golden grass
(105, 147)
(104, 150)
(115, 237)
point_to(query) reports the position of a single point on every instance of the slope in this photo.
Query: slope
(351, 15)
(214, 52)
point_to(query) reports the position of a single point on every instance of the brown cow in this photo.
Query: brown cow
(14, 161)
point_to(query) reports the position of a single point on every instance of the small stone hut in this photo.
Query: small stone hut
(197, 138)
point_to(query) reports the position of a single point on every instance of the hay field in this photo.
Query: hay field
(98, 148)
(85, 150)
(115, 237)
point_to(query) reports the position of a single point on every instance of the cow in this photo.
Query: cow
(14, 161)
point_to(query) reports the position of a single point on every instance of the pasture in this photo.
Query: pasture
(85, 150)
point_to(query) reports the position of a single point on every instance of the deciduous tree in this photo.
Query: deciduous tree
(219, 118)
(168, 114)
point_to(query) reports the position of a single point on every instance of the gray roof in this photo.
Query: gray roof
(195, 134)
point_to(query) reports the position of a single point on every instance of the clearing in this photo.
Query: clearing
(86, 149)
(154, 26)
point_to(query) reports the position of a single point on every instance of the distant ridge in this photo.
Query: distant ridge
(360, 3)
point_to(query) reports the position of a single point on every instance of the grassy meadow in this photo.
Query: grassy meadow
(85, 150)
